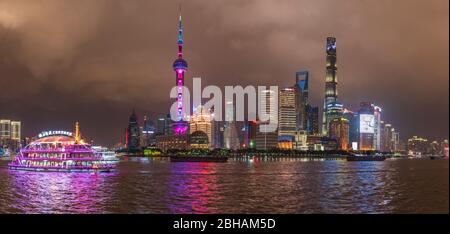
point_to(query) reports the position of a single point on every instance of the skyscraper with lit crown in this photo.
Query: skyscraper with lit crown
(331, 93)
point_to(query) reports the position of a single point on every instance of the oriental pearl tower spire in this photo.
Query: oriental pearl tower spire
(180, 66)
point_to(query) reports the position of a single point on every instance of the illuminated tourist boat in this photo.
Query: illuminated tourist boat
(59, 151)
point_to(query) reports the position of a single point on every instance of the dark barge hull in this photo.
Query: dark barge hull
(365, 158)
(198, 159)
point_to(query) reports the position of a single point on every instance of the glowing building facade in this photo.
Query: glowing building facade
(301, 98)
(201, 122)
(377, 127)
(331, 93)
(180, 66)
(339, 130)
(10, 134)
(287, 119)
(366, 126)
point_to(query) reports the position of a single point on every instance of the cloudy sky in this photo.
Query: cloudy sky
(93, 61)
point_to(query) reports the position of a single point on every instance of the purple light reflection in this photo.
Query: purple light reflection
(193, 188)
(55, 192)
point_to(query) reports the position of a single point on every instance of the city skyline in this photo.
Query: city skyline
(70, 77)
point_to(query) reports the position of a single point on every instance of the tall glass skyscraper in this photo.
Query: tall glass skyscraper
(331, 93)
(287, 119)
(133, 137)
(301, 98)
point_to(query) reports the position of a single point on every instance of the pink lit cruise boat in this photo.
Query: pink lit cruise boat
(59, 151)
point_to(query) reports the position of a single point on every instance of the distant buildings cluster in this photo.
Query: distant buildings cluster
(298, 121)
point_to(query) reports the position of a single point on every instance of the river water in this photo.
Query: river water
(239, 186)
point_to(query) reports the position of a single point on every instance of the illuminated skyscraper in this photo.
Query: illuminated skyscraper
(331, 93)
(133, 136)
(287, 119)
(366, 126)
(339, 129)
(312, 124)
(180, 66)
(10, 134)
(301, 98)
(386, 137)
(230, 135)
(377, 128)
(353, 128)
(265, 137)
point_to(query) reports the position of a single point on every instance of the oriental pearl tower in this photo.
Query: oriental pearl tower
(180, 66)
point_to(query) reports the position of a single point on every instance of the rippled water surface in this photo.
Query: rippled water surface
(239, 186)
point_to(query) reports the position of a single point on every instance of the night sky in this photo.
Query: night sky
(94, 61)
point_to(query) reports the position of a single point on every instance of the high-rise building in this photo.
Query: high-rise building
(266, 137)
(395, 141)
(148, 133)
(16, 130)
(201, 121)
(133, 135)
(5, 129)
(339, 129)
(334, 110)
(10, 134)
(287, 119)
(180, 66)
(377, 127)
(312, 124)
(231, 138)
(216, 134)
(331, 94)
(386, 137)
(301, 98)
(353, 128)
(163, 125)
(366, 126)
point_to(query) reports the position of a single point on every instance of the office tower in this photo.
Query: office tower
(133, 133)
(231, 138)
(15, 131)
(10, 134)
(5, 129)
(301, 98)
(386, 138)
(163, 125)
(312, 124)
(331, 93)
(366, 126)
(287, 119)
(339, 130)
(266, 137)
(353, 128)
(395, 143)
(180, 66)
(377, 128)
(148, 133)
(201, 121)
(334, 110)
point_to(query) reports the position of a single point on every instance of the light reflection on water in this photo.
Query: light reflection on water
(260, 185)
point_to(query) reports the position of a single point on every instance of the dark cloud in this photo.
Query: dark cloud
(93, 61)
